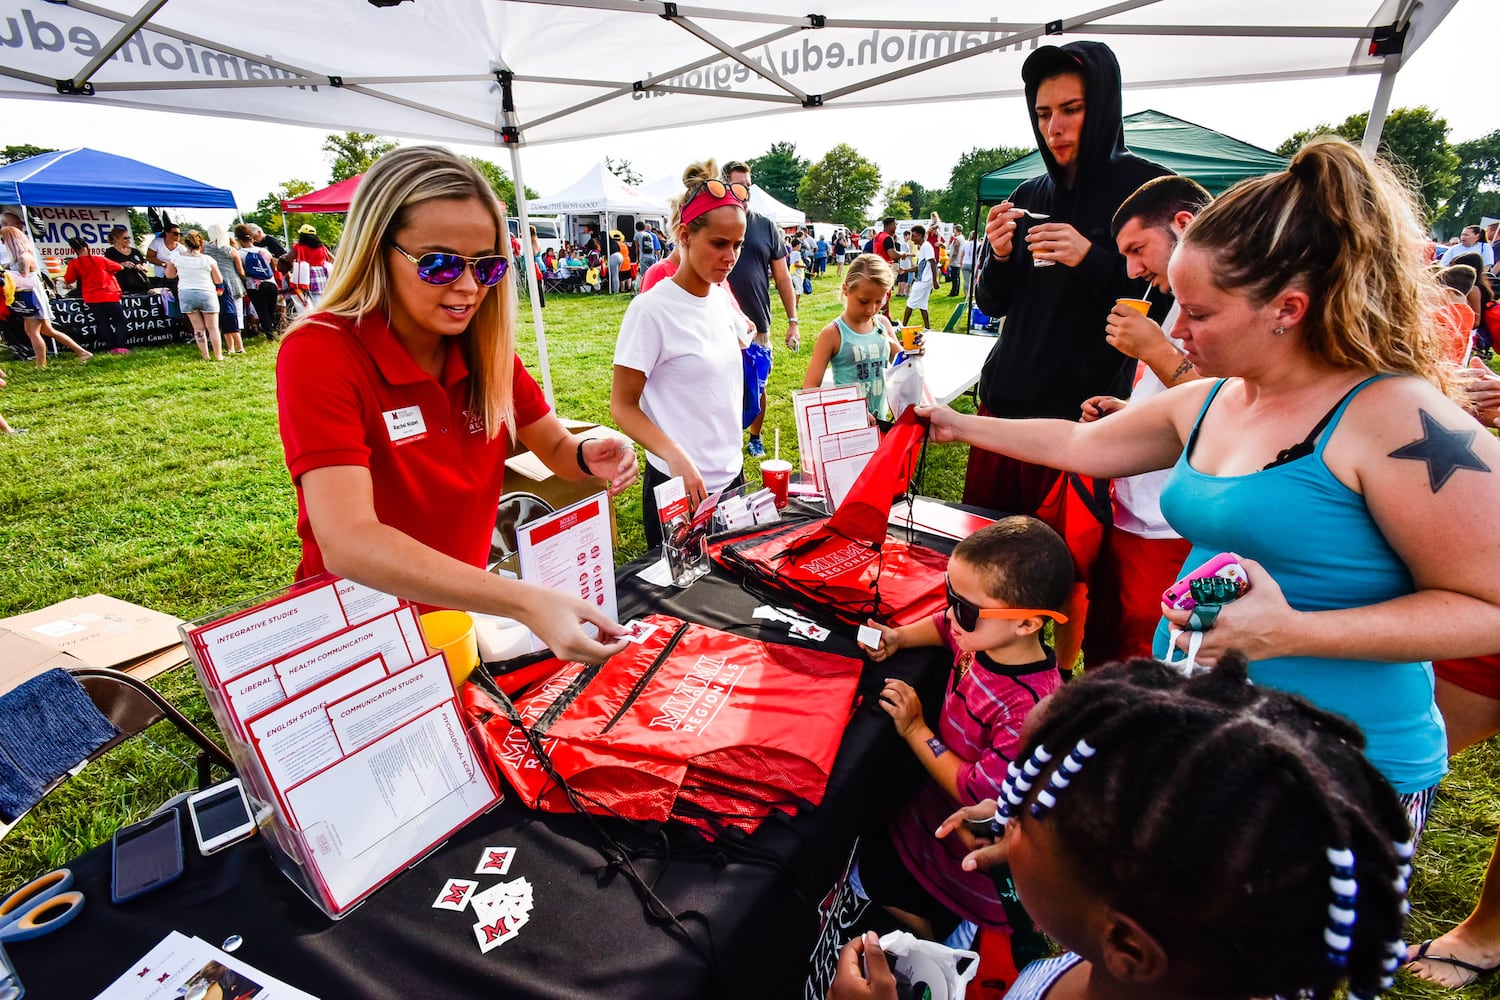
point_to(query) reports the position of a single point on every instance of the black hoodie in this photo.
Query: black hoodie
(1052, 354)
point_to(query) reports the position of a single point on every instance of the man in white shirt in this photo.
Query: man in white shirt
(923, 276)
(1471, 240)
(1141, 555)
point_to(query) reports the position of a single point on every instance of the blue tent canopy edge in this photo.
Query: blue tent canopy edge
(90, 177)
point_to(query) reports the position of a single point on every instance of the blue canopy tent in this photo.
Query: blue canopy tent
(89, 177)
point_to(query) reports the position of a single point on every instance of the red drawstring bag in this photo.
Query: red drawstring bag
(1079, 509)
(867, 507)
(733, 727)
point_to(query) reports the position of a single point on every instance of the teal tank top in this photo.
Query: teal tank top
(1316, 537)
(861, 361)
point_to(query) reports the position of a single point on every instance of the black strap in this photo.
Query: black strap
(1305, 447)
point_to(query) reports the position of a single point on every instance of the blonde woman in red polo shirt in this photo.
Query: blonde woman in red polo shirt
(399, 397)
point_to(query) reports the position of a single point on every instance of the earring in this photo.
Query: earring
(1279, 330)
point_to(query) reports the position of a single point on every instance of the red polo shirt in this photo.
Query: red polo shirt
(348, 393)
(98, 276)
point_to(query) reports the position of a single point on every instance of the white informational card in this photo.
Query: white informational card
(804, 398)
(937, 518)
(571, 552)
(180, 965)
(842, 457)
(382, 807)
(295, 739)
(256, 636)
(824, 419)
(341, 719)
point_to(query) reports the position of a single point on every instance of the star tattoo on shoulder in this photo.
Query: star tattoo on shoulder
(1444, 451)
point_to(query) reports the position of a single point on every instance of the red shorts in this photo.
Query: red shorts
(1125, 594)
(1480, 674)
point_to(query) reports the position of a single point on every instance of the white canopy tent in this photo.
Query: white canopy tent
(496, 72)
(600, 193)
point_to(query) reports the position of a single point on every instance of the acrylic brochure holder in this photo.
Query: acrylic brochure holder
(345, 727)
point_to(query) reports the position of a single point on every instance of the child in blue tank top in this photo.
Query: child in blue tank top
(860, 342)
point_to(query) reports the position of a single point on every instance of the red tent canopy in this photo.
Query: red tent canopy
(334, 198)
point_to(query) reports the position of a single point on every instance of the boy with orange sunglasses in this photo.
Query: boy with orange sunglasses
(1001, 581)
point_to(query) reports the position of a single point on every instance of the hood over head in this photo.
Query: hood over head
(1103, 136)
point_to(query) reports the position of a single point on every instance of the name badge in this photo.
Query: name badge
(405, 424)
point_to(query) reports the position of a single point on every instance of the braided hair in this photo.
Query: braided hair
(1241, 826)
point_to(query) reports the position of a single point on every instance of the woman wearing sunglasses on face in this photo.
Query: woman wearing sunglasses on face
(399, 398)
(679, 381)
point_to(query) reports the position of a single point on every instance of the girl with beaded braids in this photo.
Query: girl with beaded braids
(1192, 839)
(1323, 449)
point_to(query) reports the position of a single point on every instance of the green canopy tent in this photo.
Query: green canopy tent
(1211, 158)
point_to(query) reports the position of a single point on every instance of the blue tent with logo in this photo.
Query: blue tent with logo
(89, 177)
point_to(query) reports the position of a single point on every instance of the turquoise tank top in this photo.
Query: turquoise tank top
(861, 361)
(1315, 536)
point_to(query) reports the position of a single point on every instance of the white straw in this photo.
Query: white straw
(778, 444)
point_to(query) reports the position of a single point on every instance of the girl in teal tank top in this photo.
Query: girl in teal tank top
(858, 344)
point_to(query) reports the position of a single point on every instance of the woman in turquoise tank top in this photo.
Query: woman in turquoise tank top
(1326, 453)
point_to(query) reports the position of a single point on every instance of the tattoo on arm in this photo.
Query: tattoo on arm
(1182, 370)
(1443, 451)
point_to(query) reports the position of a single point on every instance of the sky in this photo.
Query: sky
(252, 158)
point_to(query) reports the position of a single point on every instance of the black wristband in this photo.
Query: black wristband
(581, 463)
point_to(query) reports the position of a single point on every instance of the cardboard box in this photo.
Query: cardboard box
(93, 631)
(525, 473)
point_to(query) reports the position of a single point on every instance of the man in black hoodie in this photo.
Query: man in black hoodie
(1055, 280)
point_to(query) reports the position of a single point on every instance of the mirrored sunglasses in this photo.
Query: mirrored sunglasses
(718, 189)
(441, 268)
(967, 614)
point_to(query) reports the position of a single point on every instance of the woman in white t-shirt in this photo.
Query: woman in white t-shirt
(196, 275)
(679, 381)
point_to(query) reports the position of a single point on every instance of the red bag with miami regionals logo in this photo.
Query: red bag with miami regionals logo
(714, 728)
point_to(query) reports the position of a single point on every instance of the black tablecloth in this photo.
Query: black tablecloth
(589, 933)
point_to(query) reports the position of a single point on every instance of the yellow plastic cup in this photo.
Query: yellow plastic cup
(452, 634)
(1139, 305)
(909, 337)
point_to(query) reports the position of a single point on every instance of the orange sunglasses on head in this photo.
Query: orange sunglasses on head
(967, 614)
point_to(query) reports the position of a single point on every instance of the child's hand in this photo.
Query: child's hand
(851, 983)
(984, 852)
(901, 703)
(890, 641)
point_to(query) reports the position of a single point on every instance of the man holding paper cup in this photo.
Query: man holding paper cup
(1141, 554)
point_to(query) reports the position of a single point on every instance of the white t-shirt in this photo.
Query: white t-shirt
(163, 254)
(1138, 499)
(194, 271)
(689, 349)
(926, 272)
(1481, 248)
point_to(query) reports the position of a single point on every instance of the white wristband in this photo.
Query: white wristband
(792, 319)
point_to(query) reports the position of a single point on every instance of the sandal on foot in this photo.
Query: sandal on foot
(1475, 972)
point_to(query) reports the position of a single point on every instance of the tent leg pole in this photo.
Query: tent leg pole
(1381, 107)
(526, 265)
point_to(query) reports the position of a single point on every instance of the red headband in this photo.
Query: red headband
(704, 201)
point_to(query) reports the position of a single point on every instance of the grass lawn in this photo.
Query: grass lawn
(158, 478)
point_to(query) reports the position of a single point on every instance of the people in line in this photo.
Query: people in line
(1003, 582)
(860, 342)
(400, 396)
(94, 275)
(1200, 839)
(762, 262)
(678, 373)
(260, 281)
(231, 289)
(18, 257)
(311, 264)
(1304, 299)
(197, 276)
